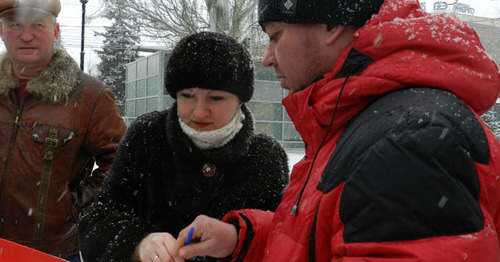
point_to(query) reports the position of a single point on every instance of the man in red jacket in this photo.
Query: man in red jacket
(398, 164)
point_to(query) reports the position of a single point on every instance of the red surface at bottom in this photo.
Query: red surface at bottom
(13, 252)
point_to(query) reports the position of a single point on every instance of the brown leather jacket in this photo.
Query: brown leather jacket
(48, 145)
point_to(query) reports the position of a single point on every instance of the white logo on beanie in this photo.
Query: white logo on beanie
(289, 7)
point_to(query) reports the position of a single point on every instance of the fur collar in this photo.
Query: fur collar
(52, 84)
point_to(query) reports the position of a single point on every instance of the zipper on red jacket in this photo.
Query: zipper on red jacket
(295, 207)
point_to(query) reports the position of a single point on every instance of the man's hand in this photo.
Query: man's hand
(211, 237)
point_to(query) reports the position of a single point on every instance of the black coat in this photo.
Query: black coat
(156, 184)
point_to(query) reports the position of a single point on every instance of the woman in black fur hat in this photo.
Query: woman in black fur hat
(200, 156)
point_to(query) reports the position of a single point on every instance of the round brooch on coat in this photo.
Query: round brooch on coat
(208, 170)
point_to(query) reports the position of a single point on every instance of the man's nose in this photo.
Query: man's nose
(269, 59)
(27, 34)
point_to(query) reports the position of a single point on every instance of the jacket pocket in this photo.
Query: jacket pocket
(52, 136)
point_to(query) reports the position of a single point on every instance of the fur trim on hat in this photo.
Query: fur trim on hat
(53, 84)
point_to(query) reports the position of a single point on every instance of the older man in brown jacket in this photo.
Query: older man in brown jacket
(55, 122)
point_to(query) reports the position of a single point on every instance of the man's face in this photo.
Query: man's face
(296, 51)
(29, 39)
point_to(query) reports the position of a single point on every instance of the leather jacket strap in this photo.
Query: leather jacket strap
(50, 146)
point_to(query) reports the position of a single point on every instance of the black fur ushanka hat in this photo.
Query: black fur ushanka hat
(210, 60)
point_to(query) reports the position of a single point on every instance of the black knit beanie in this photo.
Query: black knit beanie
(210, 60)
(339, 12)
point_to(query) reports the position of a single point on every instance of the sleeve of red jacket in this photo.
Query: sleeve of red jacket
(254, 226)
(420, 195)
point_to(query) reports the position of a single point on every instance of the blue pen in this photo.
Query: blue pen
(190, 235)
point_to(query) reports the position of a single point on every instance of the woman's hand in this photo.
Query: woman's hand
(157, 247)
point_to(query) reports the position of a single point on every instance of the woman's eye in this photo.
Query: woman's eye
(217, 98)
(186, 95)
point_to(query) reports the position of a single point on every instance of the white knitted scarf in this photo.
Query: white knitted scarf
(215, 138)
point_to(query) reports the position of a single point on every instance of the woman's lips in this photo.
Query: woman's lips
(200, 124)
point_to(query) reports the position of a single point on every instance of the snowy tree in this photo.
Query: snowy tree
(119, 48)
(168, 21)
(490, 118)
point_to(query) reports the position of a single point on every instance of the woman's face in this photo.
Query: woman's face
(206, 109)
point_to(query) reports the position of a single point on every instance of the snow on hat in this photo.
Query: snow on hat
(210, 60)
(339, 12)
(46, 6)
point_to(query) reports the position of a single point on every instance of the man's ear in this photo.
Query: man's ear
(335, 33)
(56, 31)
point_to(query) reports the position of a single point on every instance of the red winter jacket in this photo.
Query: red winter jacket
(408, 171)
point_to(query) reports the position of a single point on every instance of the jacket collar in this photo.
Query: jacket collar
(52, 84)
(311, 109)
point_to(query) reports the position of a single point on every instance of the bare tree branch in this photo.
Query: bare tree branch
(169, 20)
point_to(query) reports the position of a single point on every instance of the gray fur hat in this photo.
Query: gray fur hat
(46, 6)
